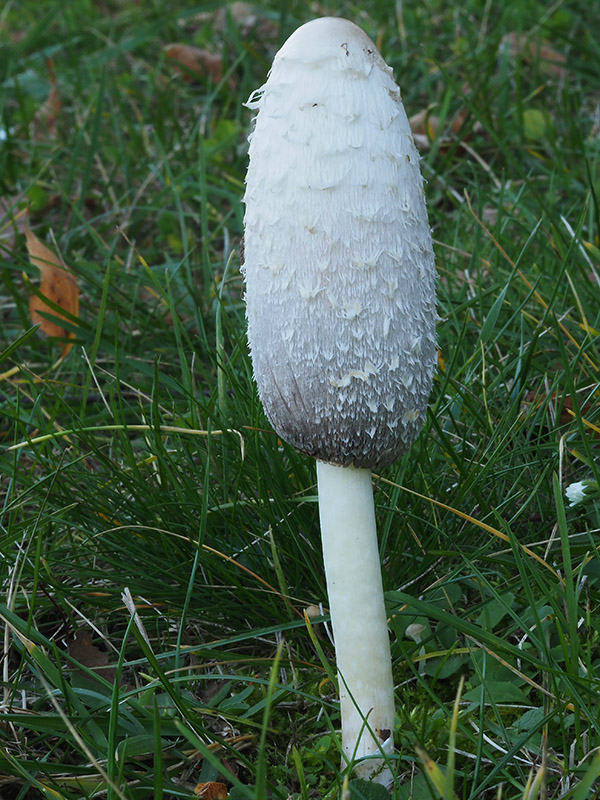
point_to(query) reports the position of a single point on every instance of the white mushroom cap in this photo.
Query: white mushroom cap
(320, 41)
(339, 267)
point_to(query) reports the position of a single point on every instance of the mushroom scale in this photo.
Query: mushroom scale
(339, 265)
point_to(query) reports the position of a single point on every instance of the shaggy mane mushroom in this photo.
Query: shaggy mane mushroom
(340, 297)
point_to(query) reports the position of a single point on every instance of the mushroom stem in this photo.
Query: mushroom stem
(351, 557)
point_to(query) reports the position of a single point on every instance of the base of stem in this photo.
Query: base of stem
(358, 617)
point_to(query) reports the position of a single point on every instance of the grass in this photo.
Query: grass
(159, 544)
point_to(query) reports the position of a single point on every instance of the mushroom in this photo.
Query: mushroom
(340, 302)
(415, 632)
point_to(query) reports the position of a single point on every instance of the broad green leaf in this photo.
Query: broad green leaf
(497, 692)
(534, 124)
(495, 611)
(141, 745)
(367, 790)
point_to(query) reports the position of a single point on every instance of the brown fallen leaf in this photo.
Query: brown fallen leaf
(211, 791)
(564, 402)
(425, 124)
(250, 19)
(58, 285)
(531, 50)
(83, 650)
(195, 61)
(425, 127)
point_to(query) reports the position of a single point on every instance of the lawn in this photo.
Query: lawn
(165, 631)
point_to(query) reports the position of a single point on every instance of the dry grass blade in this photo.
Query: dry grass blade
(529, 285)
(468, 518)
(163, 429)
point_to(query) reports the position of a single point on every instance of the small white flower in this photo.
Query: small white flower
(576, 492)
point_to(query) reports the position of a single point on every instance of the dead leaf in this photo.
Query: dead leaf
(551, 62)
(250, 19)
(83, 650)
(563, 402)
(425, 127)
(211, 791)
(46, 120)
(195, 61)
(58, 285)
